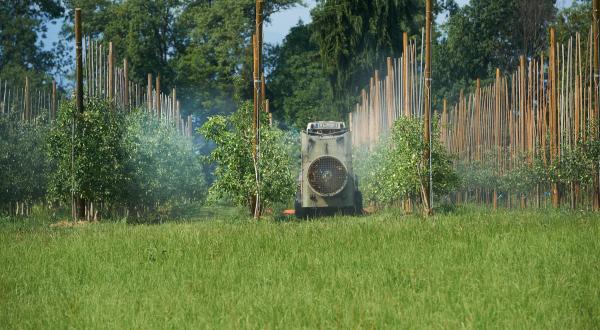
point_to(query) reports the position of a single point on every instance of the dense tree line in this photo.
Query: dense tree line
(22, 23)
(204, 46)
(201, 46)
(485, 35)
(347, 40)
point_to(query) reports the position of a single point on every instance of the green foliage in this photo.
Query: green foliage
(484, 35)
(202, 47)
(395, 169)
(524, 178)
(90, 162)
(298, 87)
(576, 165)
(132, 160)
(214, 64)
(574, 19)
(24, 166)
(476, 175)
(356, 36)
(235, 170)
(161, 165)
(142, 31)
(21, 25)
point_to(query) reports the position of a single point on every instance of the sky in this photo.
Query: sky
(283, 21)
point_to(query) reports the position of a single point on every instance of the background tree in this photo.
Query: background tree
(90, 163)
(571, 20)
(356, 36)
(398, 159)
(235, 179)
(142, 31)
(131, 160)
(23, 25)
(162, 168)
(201, 46)
(484, 35)
(24, 166)
(214, 61)
(533, 18)
(298, 87)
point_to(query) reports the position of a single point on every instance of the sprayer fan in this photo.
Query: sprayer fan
(327, 176)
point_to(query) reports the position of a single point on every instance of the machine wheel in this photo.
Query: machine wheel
(298, 209)
(358, 203)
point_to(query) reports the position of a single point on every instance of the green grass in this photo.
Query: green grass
(473, 268)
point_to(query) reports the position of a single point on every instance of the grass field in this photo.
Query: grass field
(472, 268)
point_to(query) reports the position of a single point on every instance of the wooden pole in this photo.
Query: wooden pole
(111, 73)
(267, 106)
(262, 91)
(149, 93)
(522, 113)
(177, 116)
(100, 75)
(126, 84)
(377, 112)
(5, 108)
(259, 45)
(497, 135)
(255, 96)
(258, 99)
(27, 101)
(174, 105)
(389, 94)
(427, 188)
(553, 116)
(596, 94)
(405, 84)
(158, 109)
(53, 105)
(78, 203)
(476, 123)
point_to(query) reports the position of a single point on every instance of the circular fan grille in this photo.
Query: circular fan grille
(327, 176)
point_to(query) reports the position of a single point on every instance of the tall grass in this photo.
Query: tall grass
(472, 268)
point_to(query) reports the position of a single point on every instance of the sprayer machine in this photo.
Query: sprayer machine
(326, 183)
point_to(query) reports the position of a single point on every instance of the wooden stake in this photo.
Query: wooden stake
(255, 97)
(158, 109)
(427, 188)
(27, 100)
(53, 105)
(111, 73)
(258, 99)
(498, 138)
(149, 93)
(553, 115)
(596, 94)
(405, 83)
(126, 84)
(78, 203)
